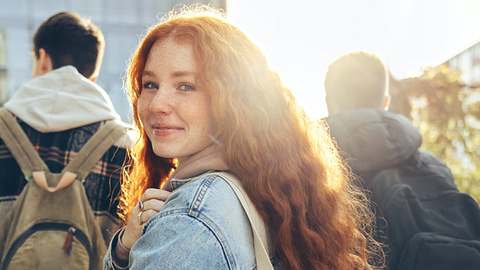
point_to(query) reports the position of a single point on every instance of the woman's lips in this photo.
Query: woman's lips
(165, 131)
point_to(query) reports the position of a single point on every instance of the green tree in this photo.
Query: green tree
(447, 112)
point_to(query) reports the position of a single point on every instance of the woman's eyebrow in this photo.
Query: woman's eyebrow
(183, 73)
(148, 73)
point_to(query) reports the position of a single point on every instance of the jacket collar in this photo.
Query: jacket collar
(372, 139)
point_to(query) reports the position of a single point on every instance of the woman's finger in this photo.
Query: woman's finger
(153, 204)
(146, 215)
(155, 193)
(134, 227)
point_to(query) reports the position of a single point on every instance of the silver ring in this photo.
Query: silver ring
(140, 205)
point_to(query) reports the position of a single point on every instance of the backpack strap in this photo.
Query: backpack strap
(33, 166)
(19, 145)
(260, 239)
(92, 151)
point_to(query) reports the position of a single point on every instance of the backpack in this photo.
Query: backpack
(51, 224)
(427, 222)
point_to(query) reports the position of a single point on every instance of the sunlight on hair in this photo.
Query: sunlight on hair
(319, 134)
(186, 11)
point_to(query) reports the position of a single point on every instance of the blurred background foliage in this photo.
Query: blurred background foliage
(447, 112)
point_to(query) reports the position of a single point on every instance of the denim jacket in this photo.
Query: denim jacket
(201, 226)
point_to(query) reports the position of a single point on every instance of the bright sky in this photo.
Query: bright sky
(301, 37)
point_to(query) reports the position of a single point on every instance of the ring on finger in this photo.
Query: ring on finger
(139, 216)
(140, 205)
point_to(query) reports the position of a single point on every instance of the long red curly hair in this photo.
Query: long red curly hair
(288, 165)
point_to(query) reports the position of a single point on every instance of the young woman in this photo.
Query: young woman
(205, 100)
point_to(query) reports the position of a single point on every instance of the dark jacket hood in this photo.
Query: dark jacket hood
(371, 139)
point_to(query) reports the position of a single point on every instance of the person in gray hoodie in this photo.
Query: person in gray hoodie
(422, 218)
(61, 108)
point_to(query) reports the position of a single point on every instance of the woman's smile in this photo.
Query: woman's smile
(165, 130)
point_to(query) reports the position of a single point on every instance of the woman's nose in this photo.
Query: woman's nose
(162, 102)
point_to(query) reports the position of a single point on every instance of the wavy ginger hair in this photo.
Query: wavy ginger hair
(287, 165)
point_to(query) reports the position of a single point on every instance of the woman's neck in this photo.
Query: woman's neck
(210, 158)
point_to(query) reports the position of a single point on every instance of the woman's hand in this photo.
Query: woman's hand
(150, 203)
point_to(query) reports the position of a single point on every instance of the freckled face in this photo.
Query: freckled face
(174, 111)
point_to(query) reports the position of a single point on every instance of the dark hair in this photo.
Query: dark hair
(356, 80)
(70, 40)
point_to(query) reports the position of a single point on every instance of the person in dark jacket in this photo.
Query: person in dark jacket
(412, 191)
(61, 108)
(370, 137)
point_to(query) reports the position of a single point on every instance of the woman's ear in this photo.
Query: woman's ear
(42, 64)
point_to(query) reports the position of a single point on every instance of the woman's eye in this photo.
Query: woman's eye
(186, 87)
(150, 85)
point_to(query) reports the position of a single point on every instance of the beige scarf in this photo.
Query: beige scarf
(210, 158)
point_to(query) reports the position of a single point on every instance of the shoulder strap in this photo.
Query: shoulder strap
(19, 145)
(83, 163)
(94, 149)
(33, 166)
(260, 239)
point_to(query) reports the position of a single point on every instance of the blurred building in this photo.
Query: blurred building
(123, 23)
(467, 62)
(3, 68)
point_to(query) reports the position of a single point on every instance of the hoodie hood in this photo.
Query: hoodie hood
(371, 139)
(59, 100)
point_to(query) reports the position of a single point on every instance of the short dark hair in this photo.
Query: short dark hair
(70, 40)
(356, 80)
